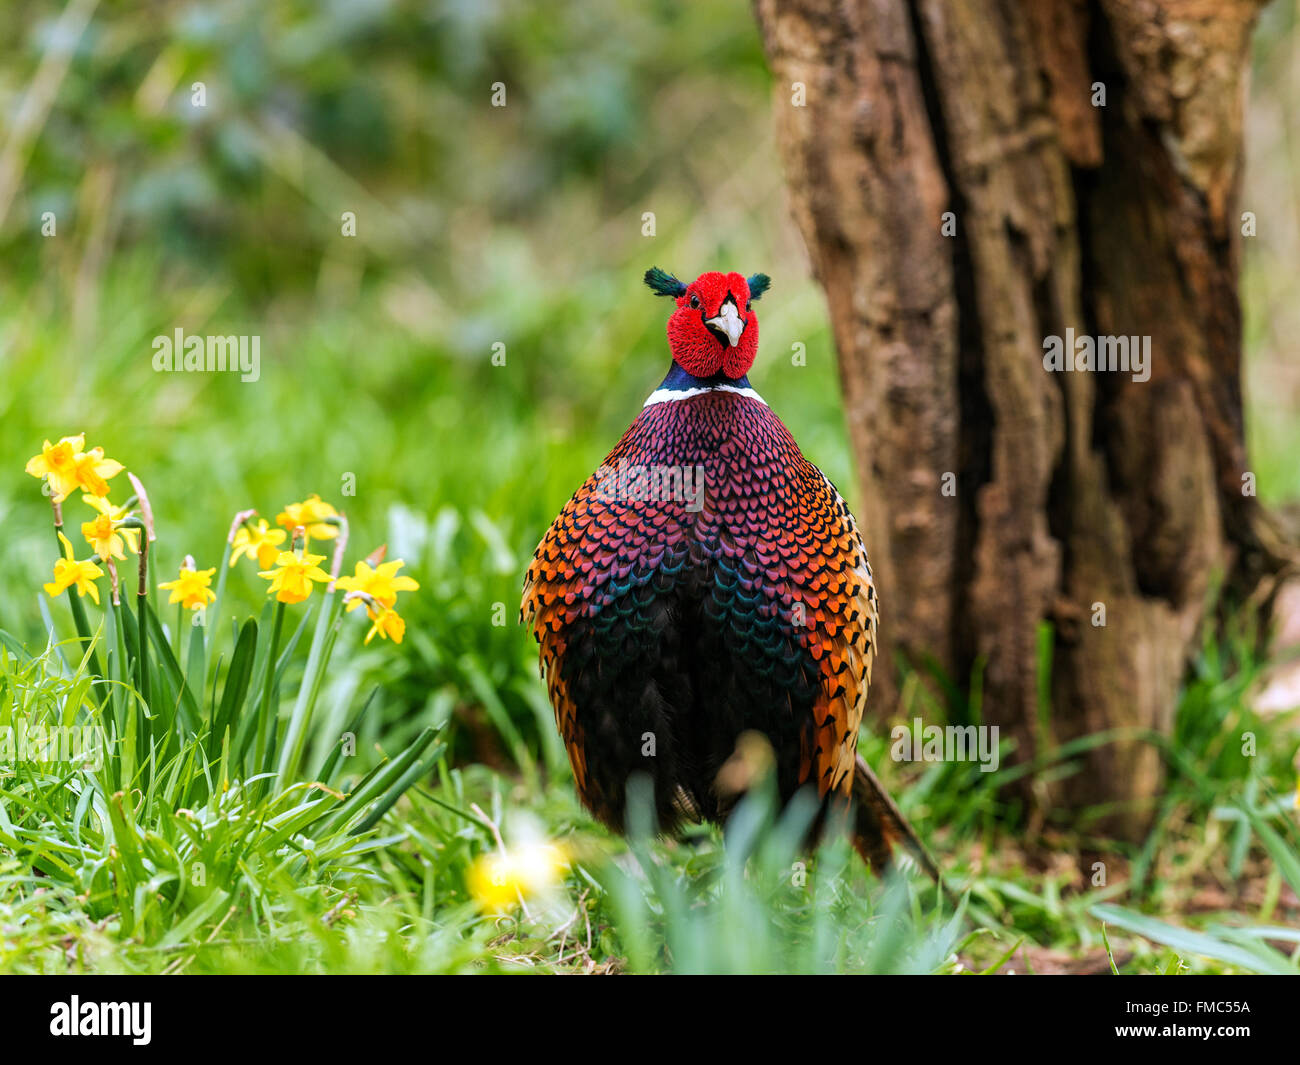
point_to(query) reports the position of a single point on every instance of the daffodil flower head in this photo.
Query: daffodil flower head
(293, 576)
(381, 583)
(262, 543)
(94, 471)
(191, 586)
(388, 624)
(104, 535)
(312, 514)
(69, 573)
(67, 466)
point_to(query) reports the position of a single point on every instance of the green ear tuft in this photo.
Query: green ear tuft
(758, 284)
(663, 284)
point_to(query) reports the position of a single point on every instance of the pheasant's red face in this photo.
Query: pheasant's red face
(715, 329)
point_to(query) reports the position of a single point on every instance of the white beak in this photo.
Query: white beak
(729, 322)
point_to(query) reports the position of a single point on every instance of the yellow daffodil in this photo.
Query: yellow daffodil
(388, 624)
(311, 515)
(68, 466)
(291, 580)
(58, 463)
(500, 879)
(190, 588)
(381, 583)
(103, 533)
(69, 573)
(94, 471)
(261, 543)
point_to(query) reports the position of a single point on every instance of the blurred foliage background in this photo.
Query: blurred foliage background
(523, 225)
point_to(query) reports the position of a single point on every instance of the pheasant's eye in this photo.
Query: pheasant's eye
(695, 300)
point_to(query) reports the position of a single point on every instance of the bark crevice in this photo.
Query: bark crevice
(975, 416)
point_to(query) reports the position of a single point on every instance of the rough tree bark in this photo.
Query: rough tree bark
(1071, 488)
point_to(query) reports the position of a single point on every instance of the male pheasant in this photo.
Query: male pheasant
(706, 582)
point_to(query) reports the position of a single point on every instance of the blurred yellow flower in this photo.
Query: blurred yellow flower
(190, 588)
(69, 573)
(381, 584)
(261, 543)
(103, 533)
(311, 515)
(499, 880)
(291, 580)
(387, 623)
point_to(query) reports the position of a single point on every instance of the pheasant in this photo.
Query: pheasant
(705, 583)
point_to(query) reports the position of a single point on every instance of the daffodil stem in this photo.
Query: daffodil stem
(221, 586)
(142, 589)
(322, 642)
(141, 610)
(215, 612)
(267, 730)
(74, 601)
(117, 702)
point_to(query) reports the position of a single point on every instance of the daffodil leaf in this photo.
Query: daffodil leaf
(1283, 853)
(397, 789)
(287, 655)
(379, 782)
(188, 706)
(246, 727)
(195, 659)
(1260, 958)
(14, 646)
(238, 678)
(326, 772)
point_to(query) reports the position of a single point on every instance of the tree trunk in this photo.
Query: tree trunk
(1012, 512)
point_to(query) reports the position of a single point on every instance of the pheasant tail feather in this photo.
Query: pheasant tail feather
(879, 825)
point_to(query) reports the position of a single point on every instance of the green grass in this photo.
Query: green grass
(197, 868)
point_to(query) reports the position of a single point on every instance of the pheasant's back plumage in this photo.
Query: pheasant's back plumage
(671, 624)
